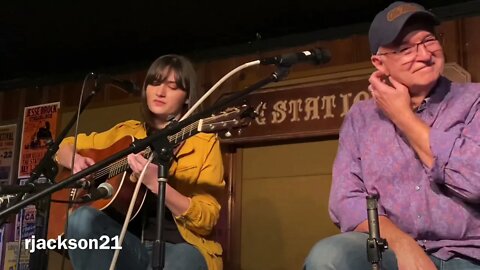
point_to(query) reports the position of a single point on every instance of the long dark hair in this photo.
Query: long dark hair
(185, 78)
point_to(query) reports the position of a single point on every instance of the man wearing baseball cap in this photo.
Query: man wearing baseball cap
(416, 146)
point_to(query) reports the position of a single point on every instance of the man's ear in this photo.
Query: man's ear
(379, 64)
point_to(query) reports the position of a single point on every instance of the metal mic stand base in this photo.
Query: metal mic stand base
(375, 244)
(375, 248)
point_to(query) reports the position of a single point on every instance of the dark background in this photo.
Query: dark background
(53, 39)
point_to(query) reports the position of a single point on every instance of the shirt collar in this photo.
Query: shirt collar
(436, 96)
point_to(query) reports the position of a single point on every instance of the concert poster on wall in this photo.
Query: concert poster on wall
(11, 256)
(39, 127)
(7, 147)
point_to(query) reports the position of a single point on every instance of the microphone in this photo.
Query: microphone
(82, 183)
(27, 188)
(7, 200)
(375, 244)
(103, 191)
(127, 86)
(317, 56)
(373, 225)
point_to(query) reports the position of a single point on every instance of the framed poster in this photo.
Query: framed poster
(39, 127)
(7, 148)
(11, 253)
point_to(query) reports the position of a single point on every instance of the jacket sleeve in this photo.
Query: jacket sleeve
(104, 139)
(204, 209)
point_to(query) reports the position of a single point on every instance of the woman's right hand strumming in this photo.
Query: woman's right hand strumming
(81, 163)
(64, 158)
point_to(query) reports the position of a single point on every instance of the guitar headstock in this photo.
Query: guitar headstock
(231, 118)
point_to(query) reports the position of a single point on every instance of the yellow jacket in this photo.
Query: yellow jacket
(197, 173)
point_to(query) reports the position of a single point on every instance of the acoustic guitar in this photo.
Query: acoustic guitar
(117, 174)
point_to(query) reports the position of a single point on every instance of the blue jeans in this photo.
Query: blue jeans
(348, 251)
(88, 223)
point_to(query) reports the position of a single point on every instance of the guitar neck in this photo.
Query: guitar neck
(121, 165)
(185, 133)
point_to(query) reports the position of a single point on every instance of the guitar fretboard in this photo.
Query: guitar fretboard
(121, 165)
(185, 133)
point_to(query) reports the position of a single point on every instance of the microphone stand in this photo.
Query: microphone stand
(139, 145)
(375, 244)
(164, 158)
(47, 167)
(164, 151)
(20, 236)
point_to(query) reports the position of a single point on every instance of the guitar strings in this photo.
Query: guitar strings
(121, 165)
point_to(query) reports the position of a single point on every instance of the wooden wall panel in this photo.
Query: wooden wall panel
(472, 47)
(451, 39)
(53, 92)
(114, 95)
(34, 96)
(70, 94)
(361, 48)
(285, 190)
(11, 104)
(210, 72)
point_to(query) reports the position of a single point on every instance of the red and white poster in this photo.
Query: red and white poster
(39, 126)
(7, 147)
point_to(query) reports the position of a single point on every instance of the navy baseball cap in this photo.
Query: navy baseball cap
(389, 22)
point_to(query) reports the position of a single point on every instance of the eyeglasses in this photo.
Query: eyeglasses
(410, 51)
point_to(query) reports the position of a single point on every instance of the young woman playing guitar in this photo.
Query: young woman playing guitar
(194, 185)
